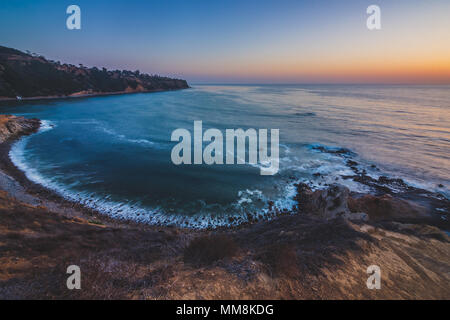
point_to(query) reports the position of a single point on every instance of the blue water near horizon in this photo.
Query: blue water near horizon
(112, 153)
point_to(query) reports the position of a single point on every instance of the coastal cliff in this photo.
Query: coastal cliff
(12, 127)
(29, 75)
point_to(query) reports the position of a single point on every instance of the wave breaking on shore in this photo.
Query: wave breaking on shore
(340, 168)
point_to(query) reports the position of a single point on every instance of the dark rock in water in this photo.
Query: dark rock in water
(319, 148)
(338, 151)
(351, 163)
(382, 185)
(341, 151)
(305, 114)
(384, 179)
(369, 181)
(396, 182)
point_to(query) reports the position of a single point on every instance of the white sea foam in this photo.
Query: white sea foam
(330, 167)
(123, 138)
(17, 155)
(85, 121)
(46, 125)
(134, 211)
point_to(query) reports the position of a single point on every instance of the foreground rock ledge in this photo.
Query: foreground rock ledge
(12, 127)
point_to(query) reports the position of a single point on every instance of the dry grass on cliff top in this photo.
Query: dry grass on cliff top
(291, 257)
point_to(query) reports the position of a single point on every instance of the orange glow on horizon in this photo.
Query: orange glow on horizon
(377, 71)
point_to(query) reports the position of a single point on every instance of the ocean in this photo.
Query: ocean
(113, 153)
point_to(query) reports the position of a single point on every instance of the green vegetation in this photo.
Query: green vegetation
(31, 75)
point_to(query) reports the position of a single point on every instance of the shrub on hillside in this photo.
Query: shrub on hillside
(281, 260)
(208, 249)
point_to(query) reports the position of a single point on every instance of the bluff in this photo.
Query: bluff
(30, 75)
(11, 126)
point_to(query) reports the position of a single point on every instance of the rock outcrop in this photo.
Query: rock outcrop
(12, 126)
(327, 204)
(336, 202)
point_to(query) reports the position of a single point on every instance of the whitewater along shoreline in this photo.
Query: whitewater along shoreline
(15, 182)
(319, 251)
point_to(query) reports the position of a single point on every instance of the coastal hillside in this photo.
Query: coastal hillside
(30, 75)
(292, 257)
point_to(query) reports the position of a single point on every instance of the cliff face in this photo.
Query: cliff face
(27, 75)
(12, 126)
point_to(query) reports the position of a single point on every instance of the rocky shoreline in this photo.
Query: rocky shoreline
(389, 198)
(321, 250)
(14, 182)
(13, 127)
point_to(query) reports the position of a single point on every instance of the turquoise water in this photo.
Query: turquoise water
(113, 153)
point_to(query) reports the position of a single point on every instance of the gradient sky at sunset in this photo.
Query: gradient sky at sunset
(257, 41)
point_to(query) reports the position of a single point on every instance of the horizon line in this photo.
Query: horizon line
(318, 83)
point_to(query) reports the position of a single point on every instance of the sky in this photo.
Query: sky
(242, 41)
